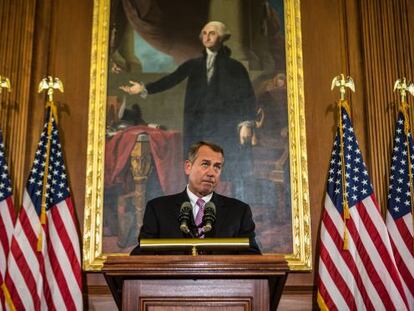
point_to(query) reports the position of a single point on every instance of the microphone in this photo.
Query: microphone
(185, 216)
(209, 216)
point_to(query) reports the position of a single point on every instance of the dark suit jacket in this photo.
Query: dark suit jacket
(233, 219)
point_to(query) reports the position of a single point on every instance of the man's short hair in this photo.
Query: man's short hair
(222, 30)
(193, 150)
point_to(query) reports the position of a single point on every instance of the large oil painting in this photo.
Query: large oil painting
(137, 143)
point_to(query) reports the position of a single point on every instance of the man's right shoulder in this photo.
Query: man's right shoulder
(164, 199)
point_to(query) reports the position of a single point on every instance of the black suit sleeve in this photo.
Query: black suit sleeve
(150, 225)
(247, 228)
(149, 229)
(170, 80)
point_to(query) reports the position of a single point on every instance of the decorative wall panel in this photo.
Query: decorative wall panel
(16, 42)
(387, 57)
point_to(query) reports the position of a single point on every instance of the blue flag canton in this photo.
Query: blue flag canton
(5, 183)
(358, 185)
(57, 185)
(399, 193)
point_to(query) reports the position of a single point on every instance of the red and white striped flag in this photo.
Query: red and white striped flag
(400, 205)
(44, 268)
(7, 218)
(357, 270)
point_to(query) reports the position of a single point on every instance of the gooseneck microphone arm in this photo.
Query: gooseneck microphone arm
(209, 217)
(184, 218)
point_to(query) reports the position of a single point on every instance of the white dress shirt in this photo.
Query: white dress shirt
(194, 198)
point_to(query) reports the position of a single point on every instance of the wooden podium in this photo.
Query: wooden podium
(206, 282)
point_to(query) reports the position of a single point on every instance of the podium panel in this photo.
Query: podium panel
(217, 294)
(243, 294)
(201, 283)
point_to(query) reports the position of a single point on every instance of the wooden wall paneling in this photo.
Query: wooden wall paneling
(61, 48)
(410, 22)
(405, 37)
(69, 60)
(331, 45)
(351, 15)
(330, 39)
(373, 48)
(410, 12)
(387, 55)
(318, 103)
(16, 48)
(406, 10)
(40, 50)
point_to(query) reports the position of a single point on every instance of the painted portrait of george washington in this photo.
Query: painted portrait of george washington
(184, 71)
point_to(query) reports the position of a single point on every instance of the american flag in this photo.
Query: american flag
(357, 269)
(400, 206)
(44, 270)
(7, 217)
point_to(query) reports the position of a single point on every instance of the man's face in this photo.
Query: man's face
(210, 37)
(204, 172)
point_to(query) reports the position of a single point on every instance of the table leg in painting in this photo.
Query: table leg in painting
(141, 168)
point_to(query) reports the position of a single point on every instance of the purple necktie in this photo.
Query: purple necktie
(200, 214)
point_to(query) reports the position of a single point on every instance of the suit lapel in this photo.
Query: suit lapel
(180, 199)
(221, 216)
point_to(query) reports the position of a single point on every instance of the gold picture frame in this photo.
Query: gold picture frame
(93, 256)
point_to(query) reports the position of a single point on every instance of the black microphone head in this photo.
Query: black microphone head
(186, 207)
(210, 208)
(184, 216)
(209, 216)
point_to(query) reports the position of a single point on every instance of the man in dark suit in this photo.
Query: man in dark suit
(203, 168)
(219, 105)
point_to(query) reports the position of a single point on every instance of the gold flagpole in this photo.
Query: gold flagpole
(50, 85)
(403, 87)
(343, 83)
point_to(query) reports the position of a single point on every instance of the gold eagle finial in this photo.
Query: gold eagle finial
(403, 86)
(343, 83)
(4, 84)
(50, 84)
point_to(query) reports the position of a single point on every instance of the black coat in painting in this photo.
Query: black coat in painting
(213, 111)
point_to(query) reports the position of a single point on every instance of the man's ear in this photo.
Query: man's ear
(187, 167)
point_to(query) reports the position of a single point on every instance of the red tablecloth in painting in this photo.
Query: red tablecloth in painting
(166, 151)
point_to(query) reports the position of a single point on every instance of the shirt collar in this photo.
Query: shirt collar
(210, 53)
(193, 198)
